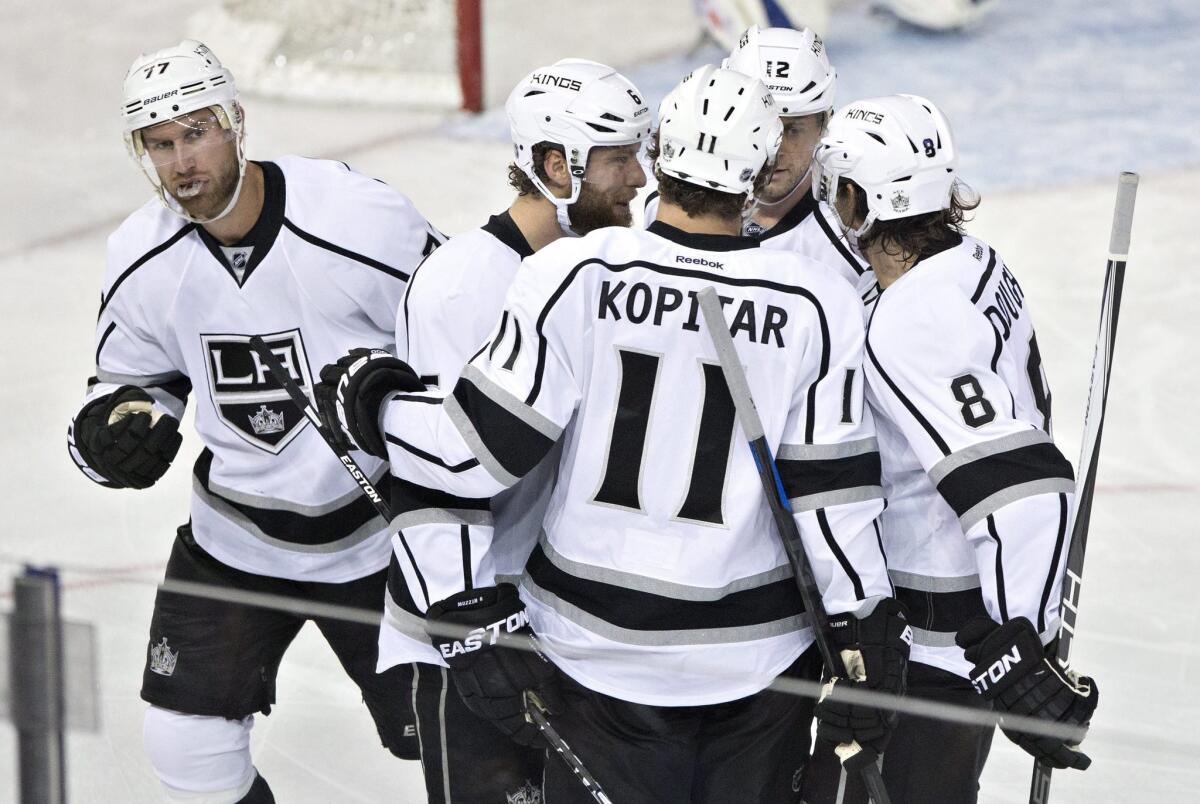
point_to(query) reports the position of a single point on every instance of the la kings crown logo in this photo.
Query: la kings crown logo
(247, 398)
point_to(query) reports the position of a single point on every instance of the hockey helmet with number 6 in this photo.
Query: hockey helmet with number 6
(171, 84)
(578, 105)
(792, 63)
(719, 129)
(898, 149)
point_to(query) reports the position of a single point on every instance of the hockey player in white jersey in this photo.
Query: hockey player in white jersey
(978, 494)
(794, 65)
(314, 258)
(659, 593)
(577, 129)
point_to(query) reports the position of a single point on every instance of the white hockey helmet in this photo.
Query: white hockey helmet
(718, 128)
(792, 63)
(171, 83)
(578, 105)
(939, 15)
(899, 149)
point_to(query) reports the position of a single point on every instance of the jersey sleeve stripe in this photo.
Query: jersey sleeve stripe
(142, 260)
(1001, 597)
(987, 274)
(836, 549)
(104, 339)
(409, 623)
(909, 406)
(824, 452)
(139, 380)
(399, 594)
(987, 449)
(1059, 541)
(930, 583)
(343, 252)
(493, 392)
(470, 463)
(508, 438)
(981, 487)
(828, 499)
(802, 479)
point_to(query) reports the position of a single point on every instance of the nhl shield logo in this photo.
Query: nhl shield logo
(247, 398)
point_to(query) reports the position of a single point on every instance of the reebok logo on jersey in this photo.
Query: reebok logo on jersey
(998, 670)
(699, 261)
(640, 303)
(473, 641)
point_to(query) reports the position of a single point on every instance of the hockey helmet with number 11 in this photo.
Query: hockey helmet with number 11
(718, 129)
(170, 85)
(578, 105)
(898, 149)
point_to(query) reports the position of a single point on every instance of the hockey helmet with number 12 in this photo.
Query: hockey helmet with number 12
(718, 129)
(578, 105)
(898, 149)
(170, 84)
(792, 63)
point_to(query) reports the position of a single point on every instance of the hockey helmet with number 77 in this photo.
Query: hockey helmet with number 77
(899, 149)
(170, 85)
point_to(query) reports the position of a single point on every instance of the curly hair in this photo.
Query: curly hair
(920, 235)
(520, 181)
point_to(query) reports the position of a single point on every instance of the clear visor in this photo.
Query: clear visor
(180, 145)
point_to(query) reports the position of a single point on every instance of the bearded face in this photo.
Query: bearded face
(196, 161)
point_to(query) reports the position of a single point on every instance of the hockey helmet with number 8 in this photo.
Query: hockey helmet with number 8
(578, 105)
(719, 129)
(899, 149)
(792, 63)
(170, 85)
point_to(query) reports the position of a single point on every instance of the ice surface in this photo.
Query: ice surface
(1049, 101)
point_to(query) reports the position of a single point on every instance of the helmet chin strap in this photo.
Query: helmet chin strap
(561, 205)
(171, 203)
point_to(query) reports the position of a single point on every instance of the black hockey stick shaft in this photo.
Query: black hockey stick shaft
(1093, 429)
(535, 712)
(781, 509)
(301, 400)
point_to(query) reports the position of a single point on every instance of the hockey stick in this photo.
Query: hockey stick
(781, 510)
(534, 708)
(1093, 428)
(309, 409)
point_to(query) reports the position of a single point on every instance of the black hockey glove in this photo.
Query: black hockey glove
(491, 678)
(122, 437)
(351, 392)
(1012, 671)
(875, 650)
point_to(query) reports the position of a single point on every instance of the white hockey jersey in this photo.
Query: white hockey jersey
(658, 576)
(809, 228)
(978, 495)
(449, 309)
(323, 270)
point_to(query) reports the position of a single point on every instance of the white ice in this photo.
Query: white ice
(66, 183)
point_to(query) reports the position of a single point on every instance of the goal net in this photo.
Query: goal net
(376, 52)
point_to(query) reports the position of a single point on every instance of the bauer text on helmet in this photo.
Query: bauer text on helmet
(720, 130)
(576, 105)
(898, 149)
(183, 126)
